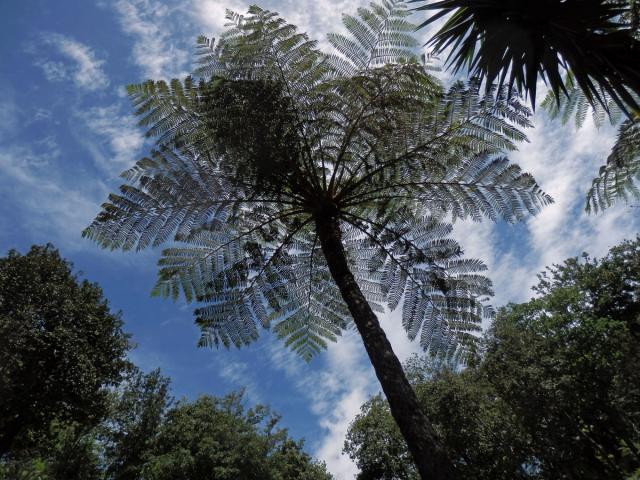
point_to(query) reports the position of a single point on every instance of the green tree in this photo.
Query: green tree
(375, 443)
(142, 437)
(575, 348)
(554, 395)
(135, 417)
(477, 429)
(304, 191)
(215, 438)
(67, 451)
(61, 348)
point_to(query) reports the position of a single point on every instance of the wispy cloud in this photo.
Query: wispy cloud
(335, 386)
(158, 48)
(112, 137)
(240, 376)
(50, 210)
(51, 194)
(81, 63)
(563, 161)
(54, 71)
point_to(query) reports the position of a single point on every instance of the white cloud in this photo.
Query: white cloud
(157, 49)
(53, 204)
(563, 160)
(86, 69)
(114, 139)
(240, 376)
(54, 71)
(335, 389)
(50, 210)
(209, 15)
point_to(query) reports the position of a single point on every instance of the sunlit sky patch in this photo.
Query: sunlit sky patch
(66, 131)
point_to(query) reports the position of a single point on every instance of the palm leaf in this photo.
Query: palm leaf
(517, 43)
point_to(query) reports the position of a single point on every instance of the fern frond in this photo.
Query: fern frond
(419, 268)
(379, 35)
(617, 180)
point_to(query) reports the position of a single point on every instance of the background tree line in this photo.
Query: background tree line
(73, 407)
(552, 393)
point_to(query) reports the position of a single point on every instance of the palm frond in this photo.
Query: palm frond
(516, 43)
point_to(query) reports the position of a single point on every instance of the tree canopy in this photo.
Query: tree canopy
(145, 436)
(72, 407)
(552, 395)
(61, 347)
(218, 439)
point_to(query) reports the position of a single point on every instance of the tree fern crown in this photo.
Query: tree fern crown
(271, 135)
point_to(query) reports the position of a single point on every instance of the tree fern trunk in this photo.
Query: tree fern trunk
(420, 436)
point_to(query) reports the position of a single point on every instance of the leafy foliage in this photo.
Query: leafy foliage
(72, 407)
(128, 434)
(274, 136)
(67, 451)
(515, 43)
(552, 394)
(216, 438)
(61, 348)
(375, 444)
(478, 431)
(143, 437)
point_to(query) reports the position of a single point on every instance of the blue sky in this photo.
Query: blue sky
(66, 132)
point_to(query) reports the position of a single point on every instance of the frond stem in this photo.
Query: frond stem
(275, 253)
(350, 187)
(254, 229)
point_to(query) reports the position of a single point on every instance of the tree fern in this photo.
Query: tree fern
(302, 192)
(369, 131)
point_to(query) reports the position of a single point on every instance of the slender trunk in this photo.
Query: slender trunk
(428, 454)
